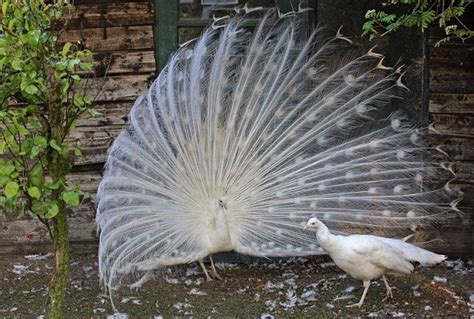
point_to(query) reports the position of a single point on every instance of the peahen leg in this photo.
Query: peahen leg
(214, 273)
(389, 289)
(361, 301)
(208, 278)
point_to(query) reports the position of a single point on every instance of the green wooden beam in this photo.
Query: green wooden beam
(288, 5)
(165, 31)
(204, 23)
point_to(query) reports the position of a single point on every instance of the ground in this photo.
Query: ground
(297, 288)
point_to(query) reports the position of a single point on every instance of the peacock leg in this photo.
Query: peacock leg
(214, 273)
(389, 289)
(361, 301)
(208, 278)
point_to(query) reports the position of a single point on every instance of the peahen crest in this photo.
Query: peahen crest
(245, 135)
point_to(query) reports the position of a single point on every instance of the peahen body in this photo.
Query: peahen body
(245, 135)
(367, 257)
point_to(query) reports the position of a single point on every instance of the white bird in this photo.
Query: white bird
(367, 257)
(245, 135)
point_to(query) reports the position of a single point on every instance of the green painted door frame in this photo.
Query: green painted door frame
(167, 23)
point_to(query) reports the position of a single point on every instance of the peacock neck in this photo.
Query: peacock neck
(219, 235)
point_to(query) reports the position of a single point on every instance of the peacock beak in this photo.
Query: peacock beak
(305, 227)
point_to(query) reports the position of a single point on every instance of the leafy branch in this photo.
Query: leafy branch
(419, 14)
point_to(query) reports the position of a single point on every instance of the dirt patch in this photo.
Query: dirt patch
(298, 287)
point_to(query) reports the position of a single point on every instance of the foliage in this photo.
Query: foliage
(39, 105)
(419, 14)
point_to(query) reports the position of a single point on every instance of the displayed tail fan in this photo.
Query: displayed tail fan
(247, 134)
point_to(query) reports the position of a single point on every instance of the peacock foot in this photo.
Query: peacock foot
(215, 275)
(389, 295)
(204, 270)
(358, 305)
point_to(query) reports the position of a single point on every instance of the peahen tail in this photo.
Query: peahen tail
(413, 253)
(275, 129)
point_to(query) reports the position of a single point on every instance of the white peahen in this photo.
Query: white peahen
(367, 257)
(247, 134)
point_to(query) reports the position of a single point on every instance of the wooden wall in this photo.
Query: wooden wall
(121, 35)
(452, 114)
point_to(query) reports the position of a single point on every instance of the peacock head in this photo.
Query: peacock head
(222, 202)
(313, 223)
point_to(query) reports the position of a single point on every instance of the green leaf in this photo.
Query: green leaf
(40, 141)
(34, 192)
(23, 131)
(11, 189)
(55, 146)
(93, 112)
(71, 64)
(4, 180)
(7, 168)
(16, 64)
(2, 146)
(78, 100)
(71, 198)
(85, 66)
(35, 150)
(53, 210)
(78, 152)
(54, 185)
(36, 175)
(31, 89)
(66, 48)
(5, 7)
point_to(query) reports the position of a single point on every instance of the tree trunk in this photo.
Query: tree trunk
(59, 279)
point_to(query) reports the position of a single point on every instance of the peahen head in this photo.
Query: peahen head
(313, 224)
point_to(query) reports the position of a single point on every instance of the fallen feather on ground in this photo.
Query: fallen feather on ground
(441, 279)
(197, 292)
(38, 256)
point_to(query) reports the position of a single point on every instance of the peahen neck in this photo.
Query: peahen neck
(326, 240)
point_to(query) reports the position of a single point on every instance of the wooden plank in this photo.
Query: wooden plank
(114, 63)
(455, 125)
(93, 138)
(453, 55)
(458, 148)
(111, 113)
(117, 88)
(464, 171)
(452, 81)
(116, 14)
(95, 134)
(452, 103)
(111, 39)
